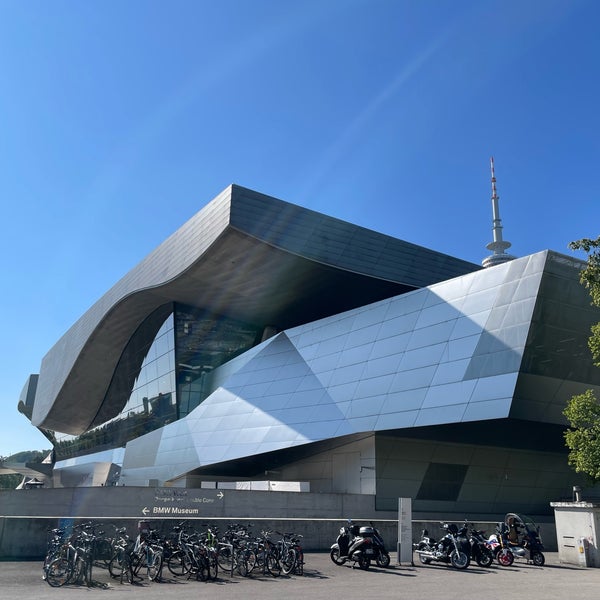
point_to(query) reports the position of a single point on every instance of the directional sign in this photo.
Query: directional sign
(116, 502)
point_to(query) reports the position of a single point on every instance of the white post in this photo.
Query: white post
(405, 549)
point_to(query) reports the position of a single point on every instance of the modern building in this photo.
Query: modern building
(267, 342)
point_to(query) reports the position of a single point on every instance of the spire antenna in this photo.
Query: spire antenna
(498, 246)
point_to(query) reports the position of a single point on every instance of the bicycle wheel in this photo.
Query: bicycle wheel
(246, 561)
(225, 558)
(51, 556)
(119, 567)
(288, 561)
(201, 567)
(179, 563)
(213, 566)
(58, 572)
(299, 568)
(251, 560)
(138, 562)
(154, 566)
(116, 565)
(78, 575)
(273, 565)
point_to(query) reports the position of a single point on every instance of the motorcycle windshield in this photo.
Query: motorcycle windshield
(529, 523)
(523, 521)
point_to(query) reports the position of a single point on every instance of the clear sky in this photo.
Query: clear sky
(120, 120)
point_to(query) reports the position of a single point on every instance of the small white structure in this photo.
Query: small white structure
(578, 532)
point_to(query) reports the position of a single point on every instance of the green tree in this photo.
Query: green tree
(583, 436)
(583, 411)
(590, 278)
(10, 481)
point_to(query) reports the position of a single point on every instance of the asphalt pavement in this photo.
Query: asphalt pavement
(323, 579)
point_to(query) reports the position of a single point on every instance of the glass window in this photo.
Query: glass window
(204, 341)
(143, 386)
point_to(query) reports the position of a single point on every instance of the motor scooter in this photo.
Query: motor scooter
(382, 556)
(523, 538)
(354, 544)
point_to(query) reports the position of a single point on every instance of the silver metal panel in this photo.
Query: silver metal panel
(436, 315)
(379, 367)
(435, 333)
(403, 401)
(353, 355)
(479, 301)
(487, 409)
(490, 388)
(450, 371)
(397, 420)
(440, 414)
(390, 345)
(422, 357)
(413, 379)
(457, 392)
(375, 386)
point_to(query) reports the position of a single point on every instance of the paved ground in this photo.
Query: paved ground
(323, 579)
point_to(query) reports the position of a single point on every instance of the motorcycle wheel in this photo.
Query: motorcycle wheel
(505, 558)
(424, 559)
(383, 560)
(538, 559)
(485, 558)
(364, 563)
(335, 556)
(459, 560)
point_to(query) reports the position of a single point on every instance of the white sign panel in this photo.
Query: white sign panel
(405, 549)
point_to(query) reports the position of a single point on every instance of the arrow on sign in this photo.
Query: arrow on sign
(145, 510)
(220, 495)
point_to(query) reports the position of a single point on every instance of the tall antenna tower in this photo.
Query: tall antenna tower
(498, 246)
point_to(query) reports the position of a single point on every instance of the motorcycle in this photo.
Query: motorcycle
(480, 550)
(498, 545)
(359, 545)
(453, 548)
(523, 537)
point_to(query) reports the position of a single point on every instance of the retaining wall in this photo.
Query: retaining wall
(27, 515)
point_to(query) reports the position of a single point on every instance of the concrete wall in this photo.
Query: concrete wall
(27, 515)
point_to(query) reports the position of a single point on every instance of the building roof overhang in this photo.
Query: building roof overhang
(244, 255)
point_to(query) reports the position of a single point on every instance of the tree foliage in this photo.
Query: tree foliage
(590, 278)
(27, 456)
(583, 437)
(583, 411)
(10, 481)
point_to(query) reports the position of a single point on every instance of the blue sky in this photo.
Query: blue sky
(120, 120)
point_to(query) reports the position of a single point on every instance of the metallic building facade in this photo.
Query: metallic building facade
(266, 341)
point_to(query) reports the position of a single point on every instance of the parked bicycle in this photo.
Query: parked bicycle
(72, 553)
(290, 553)
(75, 558)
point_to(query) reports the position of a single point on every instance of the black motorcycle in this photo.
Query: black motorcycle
(359, 545)
(480, 550)
(454, 548)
